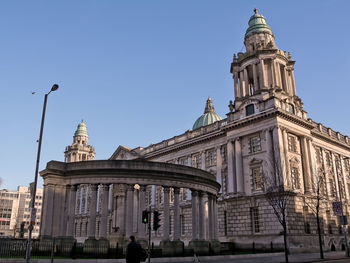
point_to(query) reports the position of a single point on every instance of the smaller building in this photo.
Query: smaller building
(15, 211)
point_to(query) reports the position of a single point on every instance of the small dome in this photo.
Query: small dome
(209, 116)
(257, 24)
(81, 130)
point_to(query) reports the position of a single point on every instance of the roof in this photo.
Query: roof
(257, 24)
(209, 116)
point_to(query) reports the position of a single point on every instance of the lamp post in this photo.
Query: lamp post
(32, 205)
(347, 252)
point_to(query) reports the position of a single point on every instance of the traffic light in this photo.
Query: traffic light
(156, 220)
(145, 216)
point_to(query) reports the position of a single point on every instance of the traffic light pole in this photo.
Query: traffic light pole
(149, 235)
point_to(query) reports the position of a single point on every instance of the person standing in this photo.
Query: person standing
(133, 251)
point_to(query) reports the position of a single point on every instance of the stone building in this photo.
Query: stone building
(266, 134)
(266, 126)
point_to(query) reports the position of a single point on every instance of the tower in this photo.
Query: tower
(263, 75)
(80, 150)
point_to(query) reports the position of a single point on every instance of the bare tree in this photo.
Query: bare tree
(278, 197)
(314, 203)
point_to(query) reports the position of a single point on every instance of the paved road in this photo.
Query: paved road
(337, 257)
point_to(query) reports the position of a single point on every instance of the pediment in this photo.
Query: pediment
(124, 153)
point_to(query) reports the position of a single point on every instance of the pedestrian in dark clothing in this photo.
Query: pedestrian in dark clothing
(133, 251)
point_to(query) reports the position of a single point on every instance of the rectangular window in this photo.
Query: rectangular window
(307, 229)
(210, 158)
(182, 224)
(332, 188)
(183, 161)
(249, 109)
(254, 212)
(295, 177)
(292, 143)
(255, 144)
(196, 161)
(257, 180)
(223, 151)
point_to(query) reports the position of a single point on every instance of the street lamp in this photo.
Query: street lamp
(347, 252)
(33, 209)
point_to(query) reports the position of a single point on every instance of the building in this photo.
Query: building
(265, 136)
(15, 210)
(266, 129)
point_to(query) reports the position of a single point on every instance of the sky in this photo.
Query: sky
(139, 72)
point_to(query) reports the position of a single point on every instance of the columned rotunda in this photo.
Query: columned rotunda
(209, 183)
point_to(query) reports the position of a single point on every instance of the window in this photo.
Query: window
(223, 151)
(318, 155)
(257, 180)
(290, 108)
(295, 177)
(328, 159)
(196, 160)
(254, 212)
(306, 221)
(329, 222)
(210, 158)
(249, 110)
(332, 188)
(182, 224)
(183, 161)
(292, 143)
(255, 144)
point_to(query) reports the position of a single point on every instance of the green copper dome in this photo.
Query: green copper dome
(257, 24)
(209, 116)
(81, 130)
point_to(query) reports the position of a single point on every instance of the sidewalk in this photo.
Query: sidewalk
(256, 258)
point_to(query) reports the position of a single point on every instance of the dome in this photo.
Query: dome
(257, 24)
(81, 130)
(209, 116)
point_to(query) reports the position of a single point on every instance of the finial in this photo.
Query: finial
(209, 107)
(255, 10)
(289, 56)
(231, 106)
(82, 120)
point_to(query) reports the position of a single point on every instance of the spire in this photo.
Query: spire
(209, 107)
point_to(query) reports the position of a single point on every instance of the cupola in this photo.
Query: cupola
(209, 116)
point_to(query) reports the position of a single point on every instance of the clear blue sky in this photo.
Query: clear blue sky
(139, 72)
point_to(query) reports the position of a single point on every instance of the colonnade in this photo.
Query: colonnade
(124, 212)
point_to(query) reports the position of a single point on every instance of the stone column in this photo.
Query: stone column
(215, 215)
(230, 168)
(286, 82)
(255, 78)
(261, 74)
(342, 170)
(201, 215)
(246, 81)
(203, 164)
(176, 214)
(210, 217)
(306, 163)
(285, 148)
(269, 151)
(278, 74)
(46, 225)
(293, 82)
(71, 211)
(189, 161)
(218, 166)
(120, 209)
(58, 211)
(104, 210)
(242, 84)
(92, 210)
(235, 78)
(166, 210)
(239, 166)
(312, 165)
(194, 215)
(141, 227)
(129, 210)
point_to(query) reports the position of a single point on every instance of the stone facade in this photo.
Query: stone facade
(266, 129)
